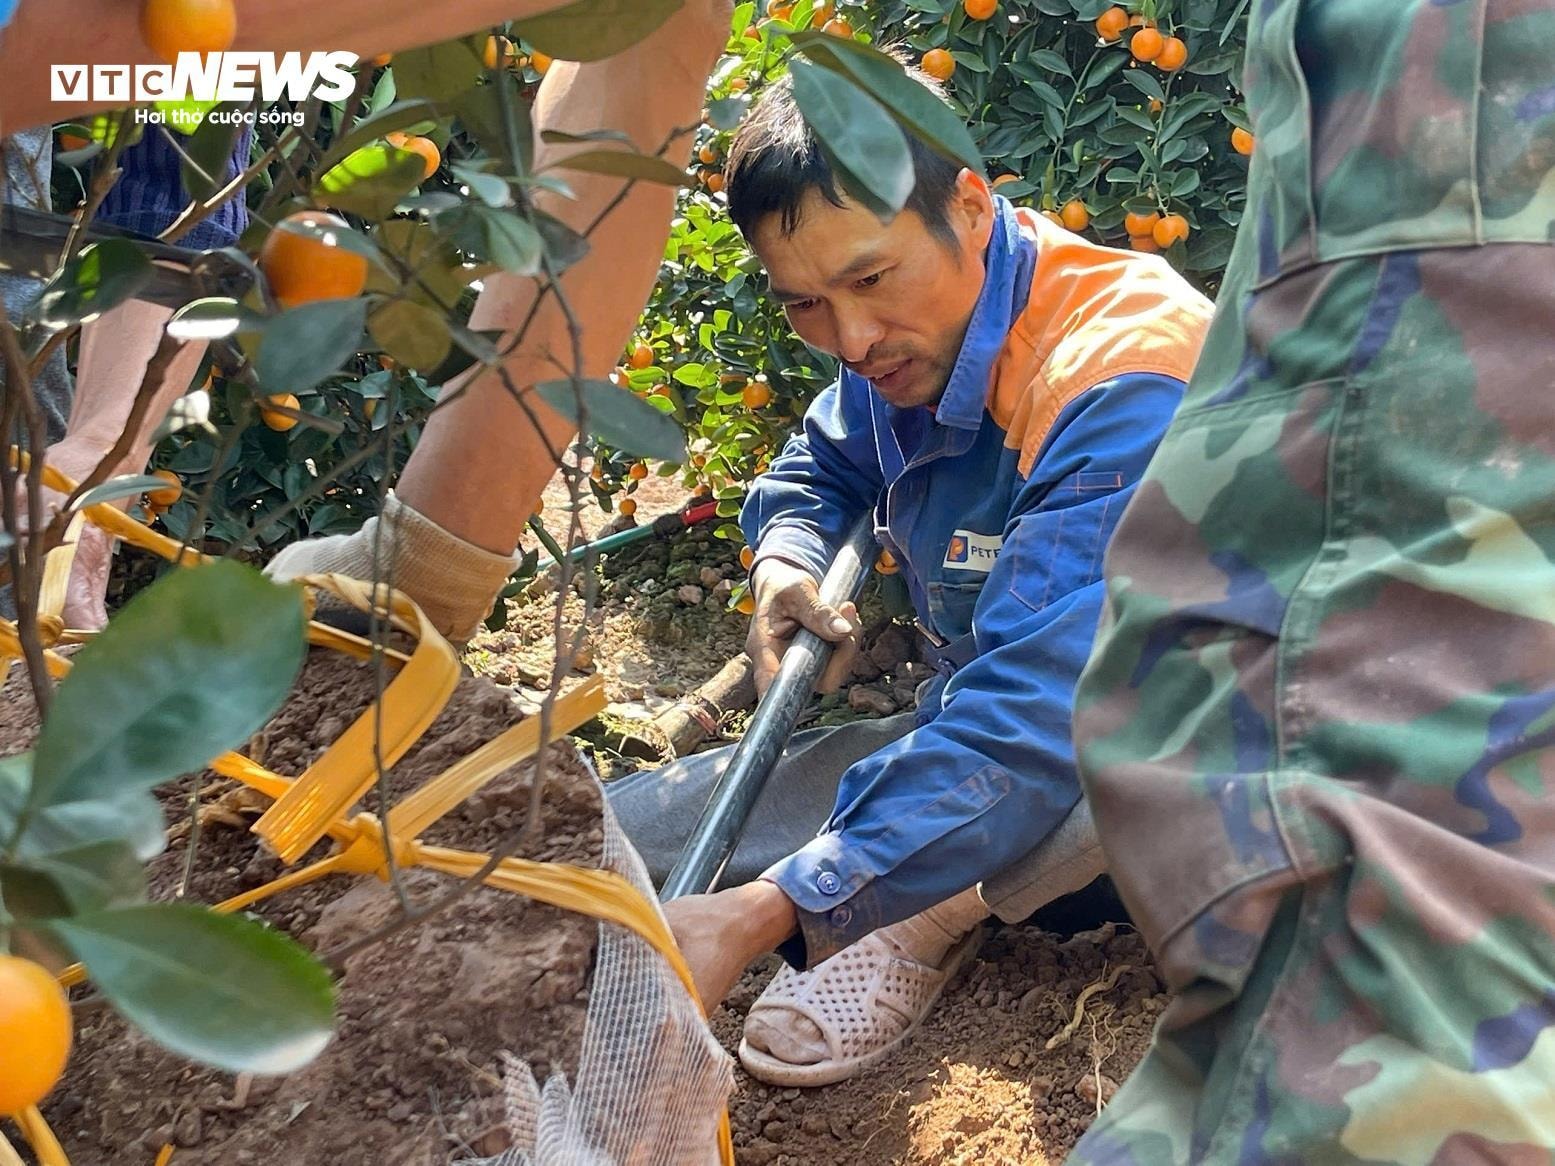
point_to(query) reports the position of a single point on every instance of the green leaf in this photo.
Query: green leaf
(1145, 83)
(562, 138)
(384, 92)
(563, 246)
(1137, 117)
(370, 181)
(1184, 183)
(495, 236)
(125, 486)
(304, 346)
(490, 189)
(727, 112)
(591, 30)
(433, 274)
(399, 116)
(470, 348)
(620, 164)
(204, 166)
(858, 134)
(908, 102)
(69, 882)
(190, 667)
(439, 72)
(212, 318)
(411, 333)
(132, 817)
(619, 418)
(100, 277)
(480, 110)
(220, 989)
(1051, 61)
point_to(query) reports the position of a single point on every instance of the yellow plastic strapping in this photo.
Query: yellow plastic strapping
(56, 575)
(45, 1146)
(314, 805)
(452, 787)
(411, 701)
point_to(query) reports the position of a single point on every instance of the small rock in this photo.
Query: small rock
(915, 672)
(722, 591)
(157, 1138)
(66, 1106)
(649, 586)
(759, 1153)
(1015, 1059)
(840, 1129)
(400, 1111)
(1092, 1086)
(863, 668)
(775, 1131)
(188, 1129)
(710, 577)
(814, 1124)
(870, 700)
(691, 595)
(891, 649)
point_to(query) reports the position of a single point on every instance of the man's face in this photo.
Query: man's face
(891, 301)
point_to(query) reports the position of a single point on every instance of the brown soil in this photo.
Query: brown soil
(974, 1085)
(412, 1076)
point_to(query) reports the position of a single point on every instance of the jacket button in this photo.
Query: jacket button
(829, 883)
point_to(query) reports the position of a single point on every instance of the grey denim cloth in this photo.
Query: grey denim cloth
(29, 164)
(28, 159)
(658, 809)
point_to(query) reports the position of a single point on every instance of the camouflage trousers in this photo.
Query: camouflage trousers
(1318, 729)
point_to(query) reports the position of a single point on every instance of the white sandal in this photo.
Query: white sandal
(865, 1000)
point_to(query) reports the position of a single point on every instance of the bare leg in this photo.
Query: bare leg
(481, 463)
(116, 349)
(502, 462)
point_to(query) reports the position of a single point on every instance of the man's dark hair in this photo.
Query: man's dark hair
(775, 162)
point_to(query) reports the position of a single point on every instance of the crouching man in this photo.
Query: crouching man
(1004, 385)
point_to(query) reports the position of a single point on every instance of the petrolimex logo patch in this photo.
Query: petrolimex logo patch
(970, 551)
(210, 78)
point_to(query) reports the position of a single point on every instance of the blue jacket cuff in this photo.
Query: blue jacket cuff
(832, 896)
(796, 545)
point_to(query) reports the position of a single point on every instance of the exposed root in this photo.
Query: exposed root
(1063, 1036)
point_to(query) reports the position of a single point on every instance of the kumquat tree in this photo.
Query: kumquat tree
(328, 334)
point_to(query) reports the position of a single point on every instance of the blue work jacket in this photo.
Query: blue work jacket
(1005, 572)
